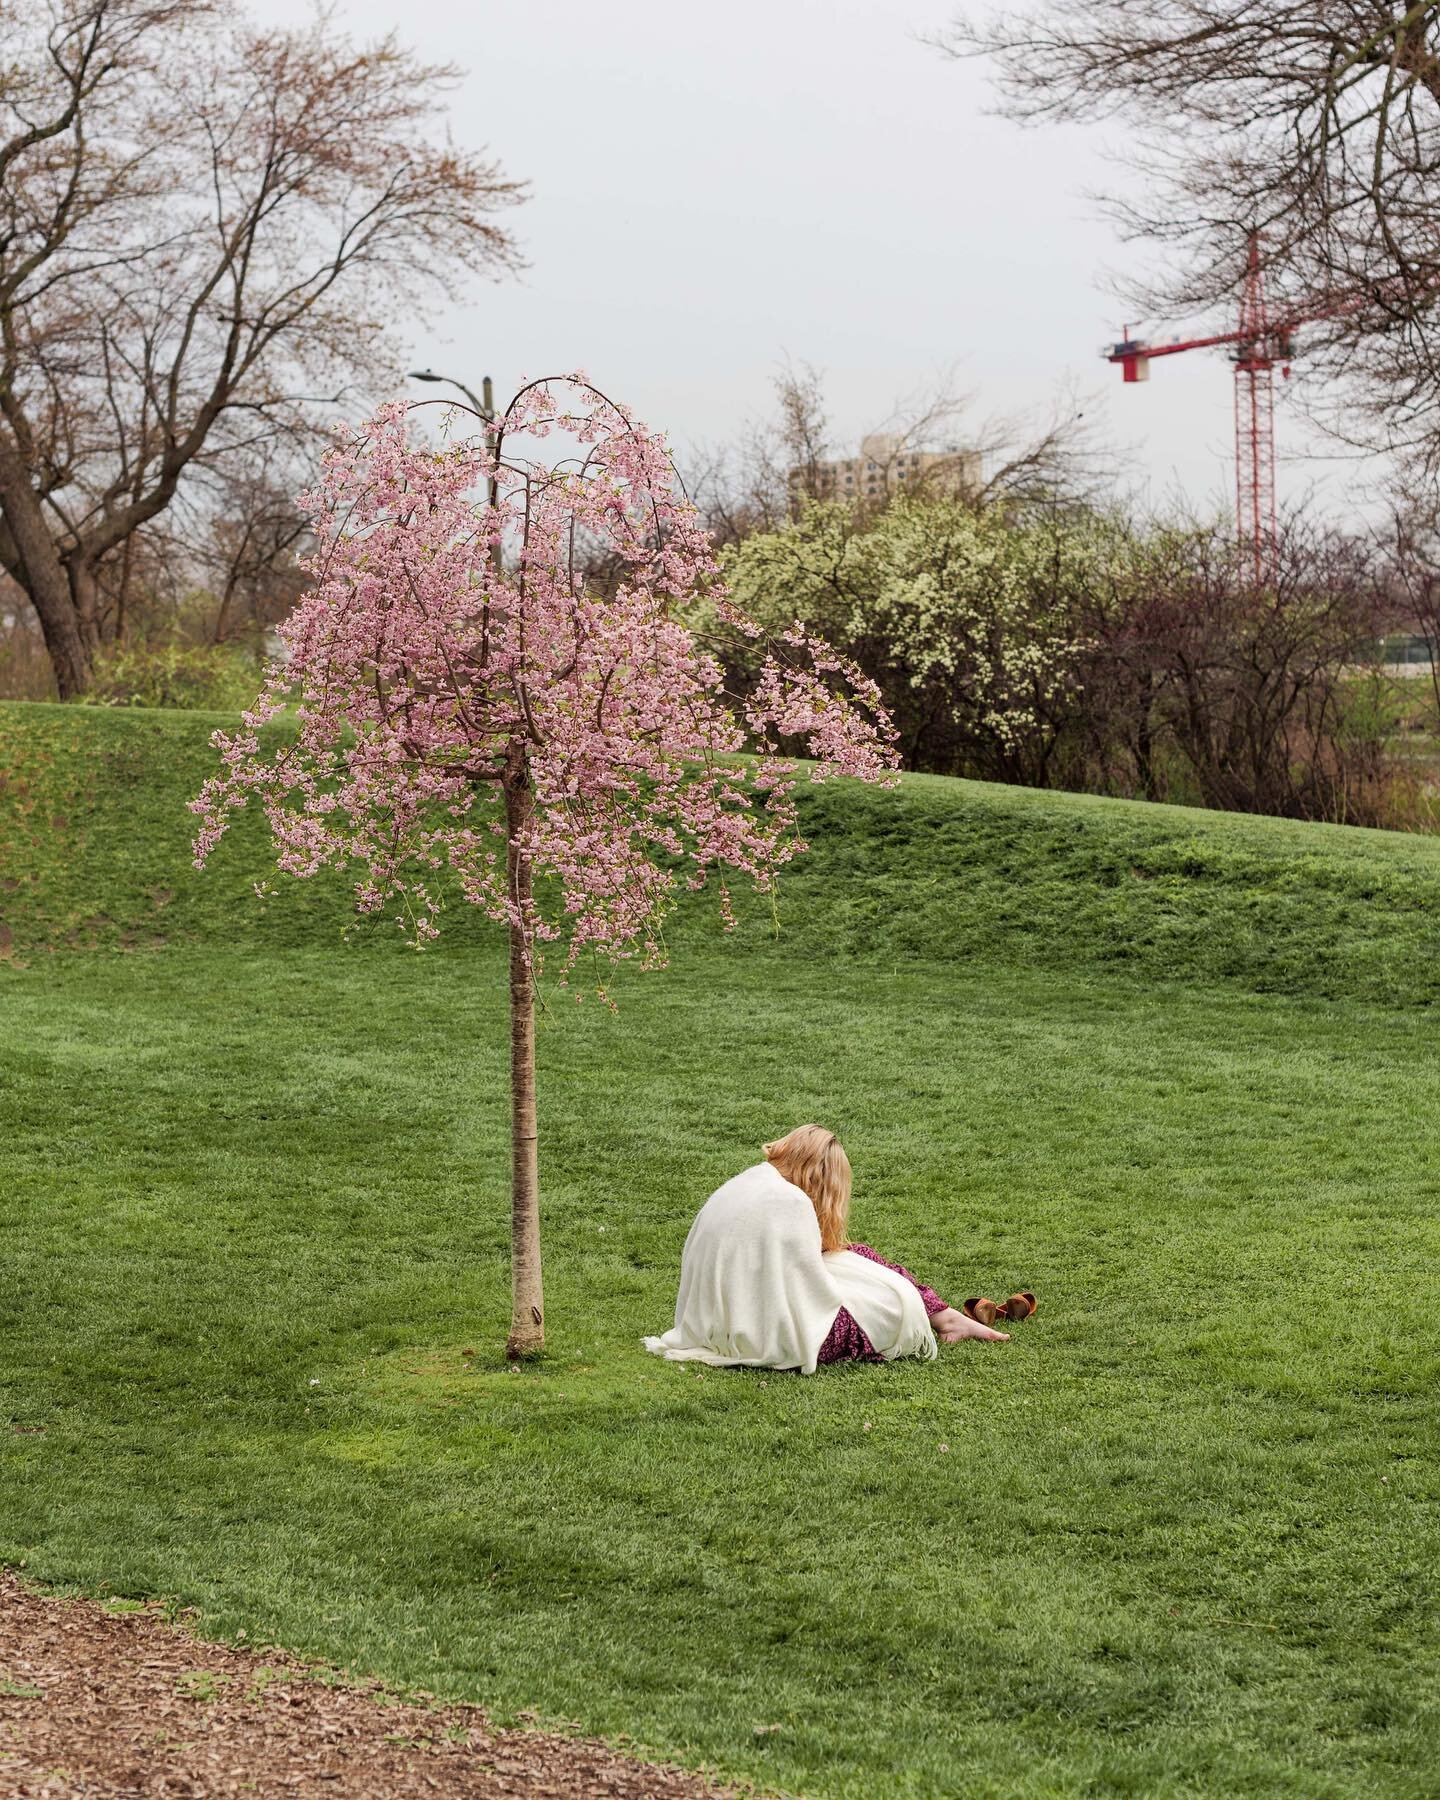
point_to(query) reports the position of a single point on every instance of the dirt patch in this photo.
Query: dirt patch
(95, 1701)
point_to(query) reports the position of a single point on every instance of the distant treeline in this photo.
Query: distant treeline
(1065, 646)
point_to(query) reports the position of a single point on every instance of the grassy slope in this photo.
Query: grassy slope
(94, 851)
(1183, 1537)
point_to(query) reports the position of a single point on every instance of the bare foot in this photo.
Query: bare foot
(951, 1326)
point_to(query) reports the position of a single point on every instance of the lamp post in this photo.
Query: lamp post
(485, 408)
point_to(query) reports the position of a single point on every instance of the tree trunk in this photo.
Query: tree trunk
(1145, 743)
(85, 595)
(43, 577)
(527, 1302)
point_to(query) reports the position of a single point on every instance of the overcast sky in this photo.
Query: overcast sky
(715, 188)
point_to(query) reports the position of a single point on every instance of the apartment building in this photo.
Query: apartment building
(884, 466)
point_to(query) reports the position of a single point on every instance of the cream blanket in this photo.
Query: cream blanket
(756, 1288)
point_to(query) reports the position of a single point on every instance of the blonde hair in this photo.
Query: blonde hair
(814, 1160)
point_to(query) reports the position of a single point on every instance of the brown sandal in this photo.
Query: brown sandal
(981, 1310)
(1018, 1307)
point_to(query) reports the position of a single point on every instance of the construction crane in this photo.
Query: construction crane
(1259, 343)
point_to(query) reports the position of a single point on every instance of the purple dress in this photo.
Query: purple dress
(847, 1342)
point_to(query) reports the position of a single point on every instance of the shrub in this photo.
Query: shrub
(208, 676)
(962, 617)
(1063, 647)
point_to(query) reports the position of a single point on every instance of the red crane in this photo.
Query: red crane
(1259, 342)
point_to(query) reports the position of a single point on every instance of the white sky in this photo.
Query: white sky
(715, 187)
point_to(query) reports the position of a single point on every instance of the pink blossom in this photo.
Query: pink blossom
(444, 650)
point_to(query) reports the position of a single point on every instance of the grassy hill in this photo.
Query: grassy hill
(1175, 1071)
(94, 848)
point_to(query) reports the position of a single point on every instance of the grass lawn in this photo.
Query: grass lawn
(1182, 1535)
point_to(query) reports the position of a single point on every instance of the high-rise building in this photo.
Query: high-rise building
(885, 465)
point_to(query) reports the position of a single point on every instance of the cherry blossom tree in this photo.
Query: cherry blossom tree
(477, 710)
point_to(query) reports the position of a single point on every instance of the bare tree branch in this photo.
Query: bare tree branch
(200, 223)
(1315, 122)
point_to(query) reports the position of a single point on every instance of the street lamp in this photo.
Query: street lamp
(486, 410)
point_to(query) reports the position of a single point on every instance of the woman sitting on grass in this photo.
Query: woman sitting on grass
(768, 1278)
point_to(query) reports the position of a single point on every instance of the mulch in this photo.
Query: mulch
(99, 1702)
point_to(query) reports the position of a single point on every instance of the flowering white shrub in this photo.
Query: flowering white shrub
(965, 618)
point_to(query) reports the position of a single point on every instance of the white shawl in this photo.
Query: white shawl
(756, 1288)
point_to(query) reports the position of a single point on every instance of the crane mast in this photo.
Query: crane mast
(1258, 344)
(1254, 360)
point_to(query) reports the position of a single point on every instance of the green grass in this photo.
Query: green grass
(94, 852)
(1183, 1537)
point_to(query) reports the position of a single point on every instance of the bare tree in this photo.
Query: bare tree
(784, 461)
(803, 430)
(1262, 682)
(201, 225)
(25, 672)
(1414, 565)
(1315, 122)
(254, 533)
(927, 421)
(755, 483)
(1197, 682)
(1049, 458)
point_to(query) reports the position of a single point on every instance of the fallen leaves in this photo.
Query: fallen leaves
(124, 1701)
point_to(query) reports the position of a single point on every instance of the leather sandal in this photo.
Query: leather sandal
(1017, 1307)
(981, 1310)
